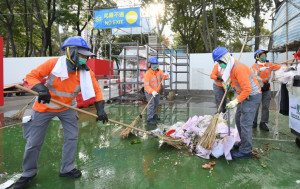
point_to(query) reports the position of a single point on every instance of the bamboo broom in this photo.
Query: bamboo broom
(19, 114)
(177, 143)
(207, 140)
(125, 133)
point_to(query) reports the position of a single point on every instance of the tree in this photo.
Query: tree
(161, 14)
(166, 40)
(28, 23)
(259, 6)
(78, 13)
(184, 22)
(205, 28)
(224, 26)
(215, 24)
(7, 18)
(50, 6)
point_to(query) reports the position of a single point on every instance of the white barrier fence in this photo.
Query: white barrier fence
(15, 69)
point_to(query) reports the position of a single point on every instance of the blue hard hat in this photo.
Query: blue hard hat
(258, 52)
(218, 53)
(153, 60)
(75, 41)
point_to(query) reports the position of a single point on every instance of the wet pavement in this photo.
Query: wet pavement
(108, 161)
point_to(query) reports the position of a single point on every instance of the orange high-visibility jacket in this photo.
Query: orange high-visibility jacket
(217, 70)
(265, 75)
(244, 81)
(153, 79)
(64, 91)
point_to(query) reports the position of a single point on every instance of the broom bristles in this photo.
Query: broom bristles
(125, 133)
(177, 143)
(207, 140)
(19, 114)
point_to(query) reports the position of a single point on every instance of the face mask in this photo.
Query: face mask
(154, 67)
(222, 65)
(81, 60)
(263, 59)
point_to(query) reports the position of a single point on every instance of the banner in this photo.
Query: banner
(117, 18)
(294, 112)
(145, 28)
(1, 73)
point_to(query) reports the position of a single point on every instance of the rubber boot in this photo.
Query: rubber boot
(240, 155)
(23, 182)
(263, 126)
(156, 117)
(75, 173)
(151, 122)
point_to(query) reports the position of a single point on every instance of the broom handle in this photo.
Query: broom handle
(203, 73)
(147, 105)
(31, 101)
(223, 99)
(292, 59)
(82, 111)
(243, 47)
(224, 96)
(284, 62)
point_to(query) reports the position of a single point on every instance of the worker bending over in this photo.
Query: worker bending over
(152, 85)
(66, 77)
(247, 101)
(262, 69)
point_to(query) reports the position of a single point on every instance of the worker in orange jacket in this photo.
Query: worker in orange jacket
(262, 68)
(152, 85)
(247, 101)
(219, 90)
(66, 77)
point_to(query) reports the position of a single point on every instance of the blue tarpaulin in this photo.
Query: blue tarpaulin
(293, 26)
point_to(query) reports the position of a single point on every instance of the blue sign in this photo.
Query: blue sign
(145, 28)
(117, 18)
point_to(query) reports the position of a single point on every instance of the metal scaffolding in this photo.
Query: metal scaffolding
(285, 27)
(128, 67)
(129, 57)
(181, 65)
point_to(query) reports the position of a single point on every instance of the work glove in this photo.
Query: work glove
(227, 84)
(265, 87)
(220, 78)
(292, 68)
(44, 95)
(154, 93)
(100, 111)
(232, 104)
(262, 69)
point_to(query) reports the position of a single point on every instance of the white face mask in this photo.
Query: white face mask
(154, 66)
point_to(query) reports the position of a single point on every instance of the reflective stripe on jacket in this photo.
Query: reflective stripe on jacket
(265, 75)
(244, 81)
(64, 91)
(152, 80)
(217, 70)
